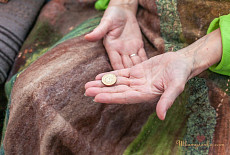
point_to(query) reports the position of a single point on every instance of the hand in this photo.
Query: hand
(122, 37)
(161, 78)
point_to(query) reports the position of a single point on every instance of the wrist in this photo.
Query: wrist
(126, 4)
(203, 53)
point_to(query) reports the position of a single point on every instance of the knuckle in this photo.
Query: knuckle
(115, 66)
(180, 87)
(126, 98)
(107, 20)
(141, 44)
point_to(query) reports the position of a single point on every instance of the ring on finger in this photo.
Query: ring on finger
(132, 55)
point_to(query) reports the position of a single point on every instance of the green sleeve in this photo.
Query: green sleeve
(101, 4)
(223, 22)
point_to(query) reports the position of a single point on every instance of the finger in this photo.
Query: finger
(99, 32)
(115, 60)
(127, 62)
(93, 91)
(118, 73)
(142, 54)
(127, 97)
(136, 59)
(98, 83)
(167, 99)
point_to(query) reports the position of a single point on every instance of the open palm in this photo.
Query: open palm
(160, 79)
(122, 37)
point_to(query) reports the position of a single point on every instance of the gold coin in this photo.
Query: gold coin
(109, 79)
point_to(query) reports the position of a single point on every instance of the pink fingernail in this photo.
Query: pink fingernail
(164, 115)
(95, 101)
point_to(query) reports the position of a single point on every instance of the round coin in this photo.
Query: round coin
(109, 79)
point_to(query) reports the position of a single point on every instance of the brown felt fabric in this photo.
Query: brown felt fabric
(49, 113)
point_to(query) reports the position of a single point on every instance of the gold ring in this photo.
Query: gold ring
(132, 55)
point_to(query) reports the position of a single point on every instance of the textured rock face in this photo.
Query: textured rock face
(50, 114)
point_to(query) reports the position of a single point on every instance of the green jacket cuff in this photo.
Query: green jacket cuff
(223, 22)
(101, 4)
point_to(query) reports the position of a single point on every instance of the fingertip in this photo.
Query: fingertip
(87, 36)
(99, 76)
(102, 98)
(91, 37)
(87, 85)
(118, 66)
(165, 114)
(167, 99)
(127, 62)
(145, 58)
(99, 32)
(161, 111)
(115, 60)
(98, 98)
(86, 92)
(161, 115)
(91, 92)
(143, 54)
(95, 99)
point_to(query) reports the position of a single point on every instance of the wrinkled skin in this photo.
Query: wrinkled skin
(161, 78)
(122, 37)
(164, 75)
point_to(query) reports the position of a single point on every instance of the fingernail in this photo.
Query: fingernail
(95, 101)
(164, 115)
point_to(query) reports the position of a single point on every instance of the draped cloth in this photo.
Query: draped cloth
(16, 19)
(3, 1)
(48, 113)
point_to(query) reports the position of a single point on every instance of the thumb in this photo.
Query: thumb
(99, 32)
(167, 99)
